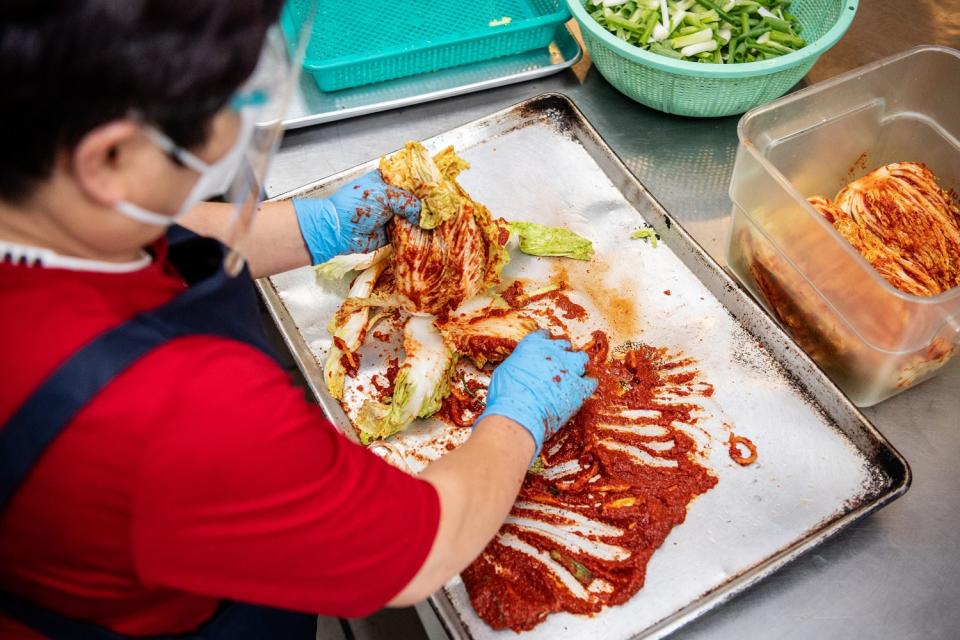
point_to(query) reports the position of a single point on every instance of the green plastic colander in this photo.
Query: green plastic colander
(353, 44)
(709, 90)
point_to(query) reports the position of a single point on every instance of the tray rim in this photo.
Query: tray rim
(440, 601)
(321, 117)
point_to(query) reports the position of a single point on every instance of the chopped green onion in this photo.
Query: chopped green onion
(788, 39)
(709, 31)
(702, 47)
(648, 28)
(767, 48)
(537, 467)
(694, 38)
(660, 32)
(625, 24)
(710, 4)
(580, 572)
(656, 47)
(778, 24)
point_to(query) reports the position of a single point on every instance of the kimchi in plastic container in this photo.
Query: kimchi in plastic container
(871, 338)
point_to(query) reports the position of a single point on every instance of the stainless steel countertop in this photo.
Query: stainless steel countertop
(896, 574)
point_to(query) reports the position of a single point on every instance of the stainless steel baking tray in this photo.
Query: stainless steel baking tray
(821, 465)
(311, 106)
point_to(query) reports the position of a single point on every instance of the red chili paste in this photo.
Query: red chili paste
(635, 503)
(737, 444)
(464, 404)
(571, 310)
(514, 295)
(393, 368)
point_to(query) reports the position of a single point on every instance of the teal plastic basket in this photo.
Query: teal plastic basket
(709, 90)
(353, 44)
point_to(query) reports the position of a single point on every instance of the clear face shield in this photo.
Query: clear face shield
(261, 104)
(255, 114)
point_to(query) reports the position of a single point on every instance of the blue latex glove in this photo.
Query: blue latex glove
(352, 220)
(539, 386)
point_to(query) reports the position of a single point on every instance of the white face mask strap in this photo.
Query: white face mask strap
(214, 179)
(163, 142)
(143, 215)
(161, 139)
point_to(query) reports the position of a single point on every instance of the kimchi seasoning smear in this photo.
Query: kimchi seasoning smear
(465, 402)
(349, 360)
(384, 383)
(382, 386)
(571, 310)
(606, 492)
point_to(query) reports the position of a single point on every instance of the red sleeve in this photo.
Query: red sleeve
(251, 495)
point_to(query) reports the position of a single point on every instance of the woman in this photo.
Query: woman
(155, 461)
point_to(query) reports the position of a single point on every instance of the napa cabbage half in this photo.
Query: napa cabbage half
(422, 383)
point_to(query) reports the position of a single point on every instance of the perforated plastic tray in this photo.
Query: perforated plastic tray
(354, 44)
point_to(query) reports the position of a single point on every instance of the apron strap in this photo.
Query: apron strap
(232, 621)
(53, 625)
(217, 305)
(46, 413)
(214, 304)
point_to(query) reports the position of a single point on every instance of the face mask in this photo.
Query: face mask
(214, 178)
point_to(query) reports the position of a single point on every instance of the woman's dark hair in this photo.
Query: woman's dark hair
(68, 66)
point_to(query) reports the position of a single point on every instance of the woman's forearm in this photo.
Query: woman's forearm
(477, 484)
(275, 243)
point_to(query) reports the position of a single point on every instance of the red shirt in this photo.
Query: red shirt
(199, 474)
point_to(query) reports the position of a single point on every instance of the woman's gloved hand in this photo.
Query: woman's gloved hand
(539, 386)
(352, 220)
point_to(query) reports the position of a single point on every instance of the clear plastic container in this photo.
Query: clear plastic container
(872, 339)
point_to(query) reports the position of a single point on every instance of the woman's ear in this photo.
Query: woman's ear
(105, 161)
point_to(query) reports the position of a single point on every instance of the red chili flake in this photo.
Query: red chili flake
(384, 388)
(556, 379)
(666, 292)
(350, 362)
(513, 294)
(860, 164)
(393, 368)
(362, 212)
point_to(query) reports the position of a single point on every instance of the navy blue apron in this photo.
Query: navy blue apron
(214, 304)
